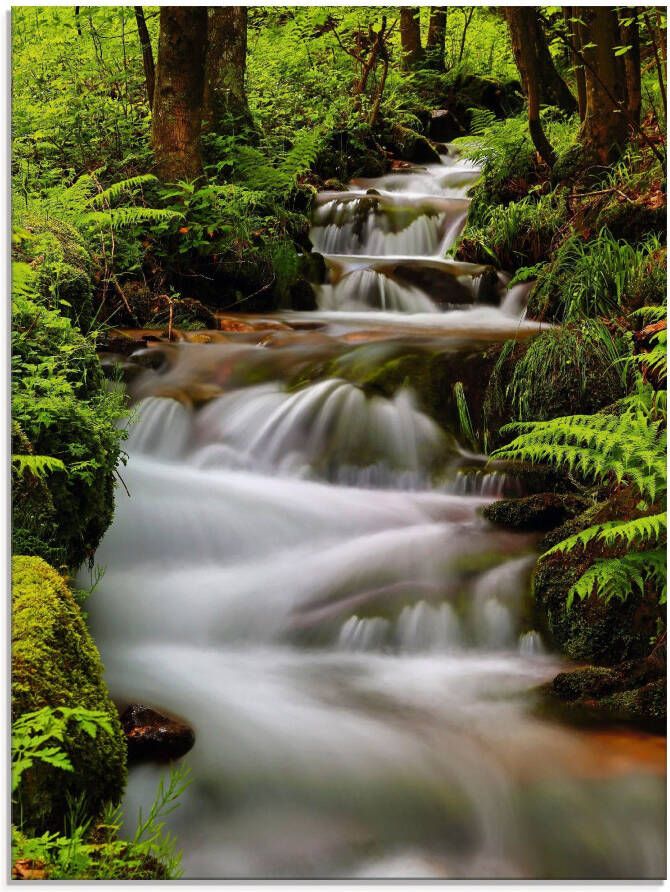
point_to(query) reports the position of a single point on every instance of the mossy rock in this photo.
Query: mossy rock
(411, 146)
(604, 632)
(564, 371)
(55, 663)
(543, 511)
(633, 692)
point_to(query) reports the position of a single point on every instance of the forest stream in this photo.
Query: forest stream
(300, 571)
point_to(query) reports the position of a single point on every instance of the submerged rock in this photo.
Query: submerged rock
(154, 737)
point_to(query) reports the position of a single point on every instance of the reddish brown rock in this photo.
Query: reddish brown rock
(153, 737)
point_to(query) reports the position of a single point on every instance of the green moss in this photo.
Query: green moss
(543, 511)
(591, 629)
(55, 663)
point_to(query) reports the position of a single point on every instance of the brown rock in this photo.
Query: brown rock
(153, 737)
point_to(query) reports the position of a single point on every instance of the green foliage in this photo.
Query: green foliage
(508, 156)
(37, 465)
(60, 404)
(598, 278)
(626, 451)
(33, 730)
(580, 365)
(520, 233)
(89, 852)
(464, 418)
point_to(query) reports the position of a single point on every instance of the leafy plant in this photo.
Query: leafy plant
(626, 451)
(40, 736)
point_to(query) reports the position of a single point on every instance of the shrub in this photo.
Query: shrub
(602, 277)
(61, 410)
(574, 367)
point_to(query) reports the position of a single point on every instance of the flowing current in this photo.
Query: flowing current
(299, 569)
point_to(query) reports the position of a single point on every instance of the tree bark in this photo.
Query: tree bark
(147, 53)
(522, 21)
(437, 30)
(630, 36)
(225, 105)
(410, 36)
(604, 130)
(177, 107)
(575, 46)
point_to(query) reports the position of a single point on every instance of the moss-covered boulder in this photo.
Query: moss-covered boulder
(564, 371)
(633, 691)
(55, 663)
(534, 513)
(409, 145)
(600, 631)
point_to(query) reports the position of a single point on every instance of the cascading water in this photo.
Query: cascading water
(301, 572)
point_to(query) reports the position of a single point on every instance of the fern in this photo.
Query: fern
(119, 218)
(37, 465)
(618, 577)
(106, 197)
(626, 449)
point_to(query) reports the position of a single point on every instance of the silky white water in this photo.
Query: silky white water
(303, 575)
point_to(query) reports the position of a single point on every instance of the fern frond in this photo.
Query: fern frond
(109, 195)
(37, 465)
(619, 577)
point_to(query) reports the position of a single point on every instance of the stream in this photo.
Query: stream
(300, 572)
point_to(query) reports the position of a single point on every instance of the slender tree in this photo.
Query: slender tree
(410, 36)
(147, 53)
(225, 105)
(574, 43)
(630, 37)
(437, 30)
(522, 22)
(605, 127)
(177, 106)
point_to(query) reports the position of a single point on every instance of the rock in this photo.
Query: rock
(154, 737)
(55, 663)
(633, 691)
(541, 512)
(411, 146)
(444, 126)
(488, 291)
(334, 185)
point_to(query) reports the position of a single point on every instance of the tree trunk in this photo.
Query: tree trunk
(437, 30)
(575, 46)
(147, 53)
(225, 105)
(605, 128)
(630, 36)
(551, 87)
(180, 77)
(410, 36)
(522, 21)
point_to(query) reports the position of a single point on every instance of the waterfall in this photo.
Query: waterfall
(299, 568)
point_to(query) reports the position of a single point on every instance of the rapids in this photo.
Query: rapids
(302, 574)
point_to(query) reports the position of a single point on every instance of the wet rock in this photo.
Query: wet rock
(153, 737)
(444, 125)
(633, 691)
(541, 512)
(412, 146)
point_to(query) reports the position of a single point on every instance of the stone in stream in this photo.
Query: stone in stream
(153, 737)
(541, 512)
